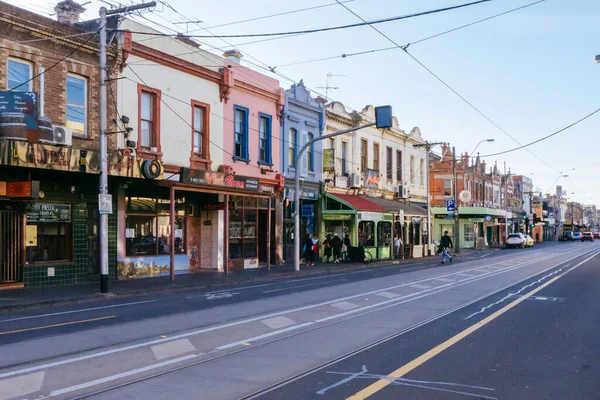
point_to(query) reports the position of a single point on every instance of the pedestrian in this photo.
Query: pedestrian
(398, 247)
(314, 250)
(336, 246)
(537, 237)
(327, 244)
(445, 244)
(346, 246)
(308, 250)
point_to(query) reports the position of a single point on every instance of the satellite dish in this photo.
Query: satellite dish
(464, 196)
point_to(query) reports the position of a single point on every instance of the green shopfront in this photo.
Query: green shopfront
(479, 227)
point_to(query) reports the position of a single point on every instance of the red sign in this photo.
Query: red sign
(19, 189)
(219, 179)
(216, 206)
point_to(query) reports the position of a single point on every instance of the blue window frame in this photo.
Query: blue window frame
(264, 139)
(240, 133)
(310, 154)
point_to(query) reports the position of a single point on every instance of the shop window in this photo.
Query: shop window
(399, 180)
(447, 187)
(147, 227)
(366, 233)
(149, 118)
(344, 158)
(363, 155)
(242, 228)
(49, 232)
(264, 132)
(384, 233)
(469, 233)
(201, 130)
(240, 134)
(292, 138)
(376, 156)
(388, 164)
(310, 154)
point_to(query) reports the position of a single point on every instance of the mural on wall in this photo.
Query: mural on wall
(153, 266)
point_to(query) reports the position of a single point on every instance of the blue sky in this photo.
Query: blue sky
(531, 71)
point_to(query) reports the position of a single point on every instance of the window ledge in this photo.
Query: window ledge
(236, 158)
(155, 155)
(266, 164)
(82, 137)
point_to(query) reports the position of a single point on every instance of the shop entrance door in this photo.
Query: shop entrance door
(11, 257)
(262, 236)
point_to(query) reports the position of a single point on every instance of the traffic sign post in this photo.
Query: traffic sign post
(450, 205)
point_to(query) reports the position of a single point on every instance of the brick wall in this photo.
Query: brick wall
(46, 53)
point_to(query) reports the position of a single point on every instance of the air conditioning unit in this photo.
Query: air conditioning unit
(403, 191)
(354, 181)
(62, 135)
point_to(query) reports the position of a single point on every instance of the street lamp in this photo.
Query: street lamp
(485, 140)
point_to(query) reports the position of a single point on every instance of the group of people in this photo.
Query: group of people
(334, 246)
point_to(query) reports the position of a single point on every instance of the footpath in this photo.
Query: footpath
(11, 299)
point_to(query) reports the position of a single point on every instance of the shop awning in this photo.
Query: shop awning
(357, 202)
(394, 206)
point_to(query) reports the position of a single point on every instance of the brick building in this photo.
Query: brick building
(49, 159)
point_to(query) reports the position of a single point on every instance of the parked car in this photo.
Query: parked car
(529, 242)
(567, 235)
(516, 240)
(597, 235)
(576, 235)
(587, 236)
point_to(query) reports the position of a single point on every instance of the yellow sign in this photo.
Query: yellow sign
(30, 235)
(2, 188)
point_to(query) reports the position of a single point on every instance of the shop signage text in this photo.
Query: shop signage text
(47, 212)
(305, 194)
(368, 216)
(337, 217)
(307, 210)
(219, 179)
(21, 102)
(217, 206)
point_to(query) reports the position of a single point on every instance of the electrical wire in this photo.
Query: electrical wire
(347, 55)
(543, 138)
(59, 61)
(332, 28)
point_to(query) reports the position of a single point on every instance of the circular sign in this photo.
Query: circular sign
(464, 196)
(488, 218)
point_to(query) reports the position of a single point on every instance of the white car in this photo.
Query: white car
(516, 240)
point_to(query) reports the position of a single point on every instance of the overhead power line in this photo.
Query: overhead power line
(358, 53)
(332, 28)
(543, 138)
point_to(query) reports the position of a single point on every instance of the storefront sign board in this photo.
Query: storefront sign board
(371, 178)
(337, 217)
(219, 179)
(328, 160)
(21, 102)
(48, 212)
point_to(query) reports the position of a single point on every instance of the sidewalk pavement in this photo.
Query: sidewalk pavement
(11, 299)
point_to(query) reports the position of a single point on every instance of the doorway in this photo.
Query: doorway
(11, 255)
(262, 236)
(490, 235)
(92, 247)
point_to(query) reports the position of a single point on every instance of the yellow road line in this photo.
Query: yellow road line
(55, 325)
(405, 369)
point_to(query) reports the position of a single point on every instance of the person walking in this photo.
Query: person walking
(346, 246)
(398, 247)
(308, 244)
(336, 246)
(445, 244)
(314, 249)
(327, 244)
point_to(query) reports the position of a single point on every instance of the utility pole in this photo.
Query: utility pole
(104, 199)
(505, 203)
(428, 146)
(456, 214)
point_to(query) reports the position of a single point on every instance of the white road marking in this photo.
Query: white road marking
(244, 321)
(77, 311)
(419, 286)
(387, 295)
(466, 275)
(345, 305)
(172, 349)
(21, 385)
(445, 280)
(218, 296)
(263, 336)
(86, 385)
(278, 322)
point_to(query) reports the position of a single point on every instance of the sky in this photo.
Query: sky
(531, 71)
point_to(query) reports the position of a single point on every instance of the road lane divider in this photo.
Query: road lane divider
(422, 359)
(57, 325)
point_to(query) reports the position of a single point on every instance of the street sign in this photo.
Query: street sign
(450, 205)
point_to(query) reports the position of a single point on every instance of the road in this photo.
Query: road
(518, 324)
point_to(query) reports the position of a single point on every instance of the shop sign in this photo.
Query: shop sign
(217, 206)
(48, 212)
(337, 217)
(388, 217)
(2, 188)
(21, 102)
(307, 210)
(371, 178)
(328, 160)
(488, 218)
(219, 179)
(267, 189)
(369, 216)
(63, 158)
(305, 193)
(23, 190)
(475, 220)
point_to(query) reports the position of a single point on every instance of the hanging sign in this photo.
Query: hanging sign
(329, 160)
(371, 178)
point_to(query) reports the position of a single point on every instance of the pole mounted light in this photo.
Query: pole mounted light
(383, 120)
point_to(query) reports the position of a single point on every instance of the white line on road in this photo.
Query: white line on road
(247, 320)
(77, 311)
(85, 385)
(266, 335)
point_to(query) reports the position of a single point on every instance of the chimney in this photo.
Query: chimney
(233, 55)
(465, 159)
(67, 12)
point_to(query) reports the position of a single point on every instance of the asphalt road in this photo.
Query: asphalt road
(473, 329)
(545, 347)
(72, 318)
